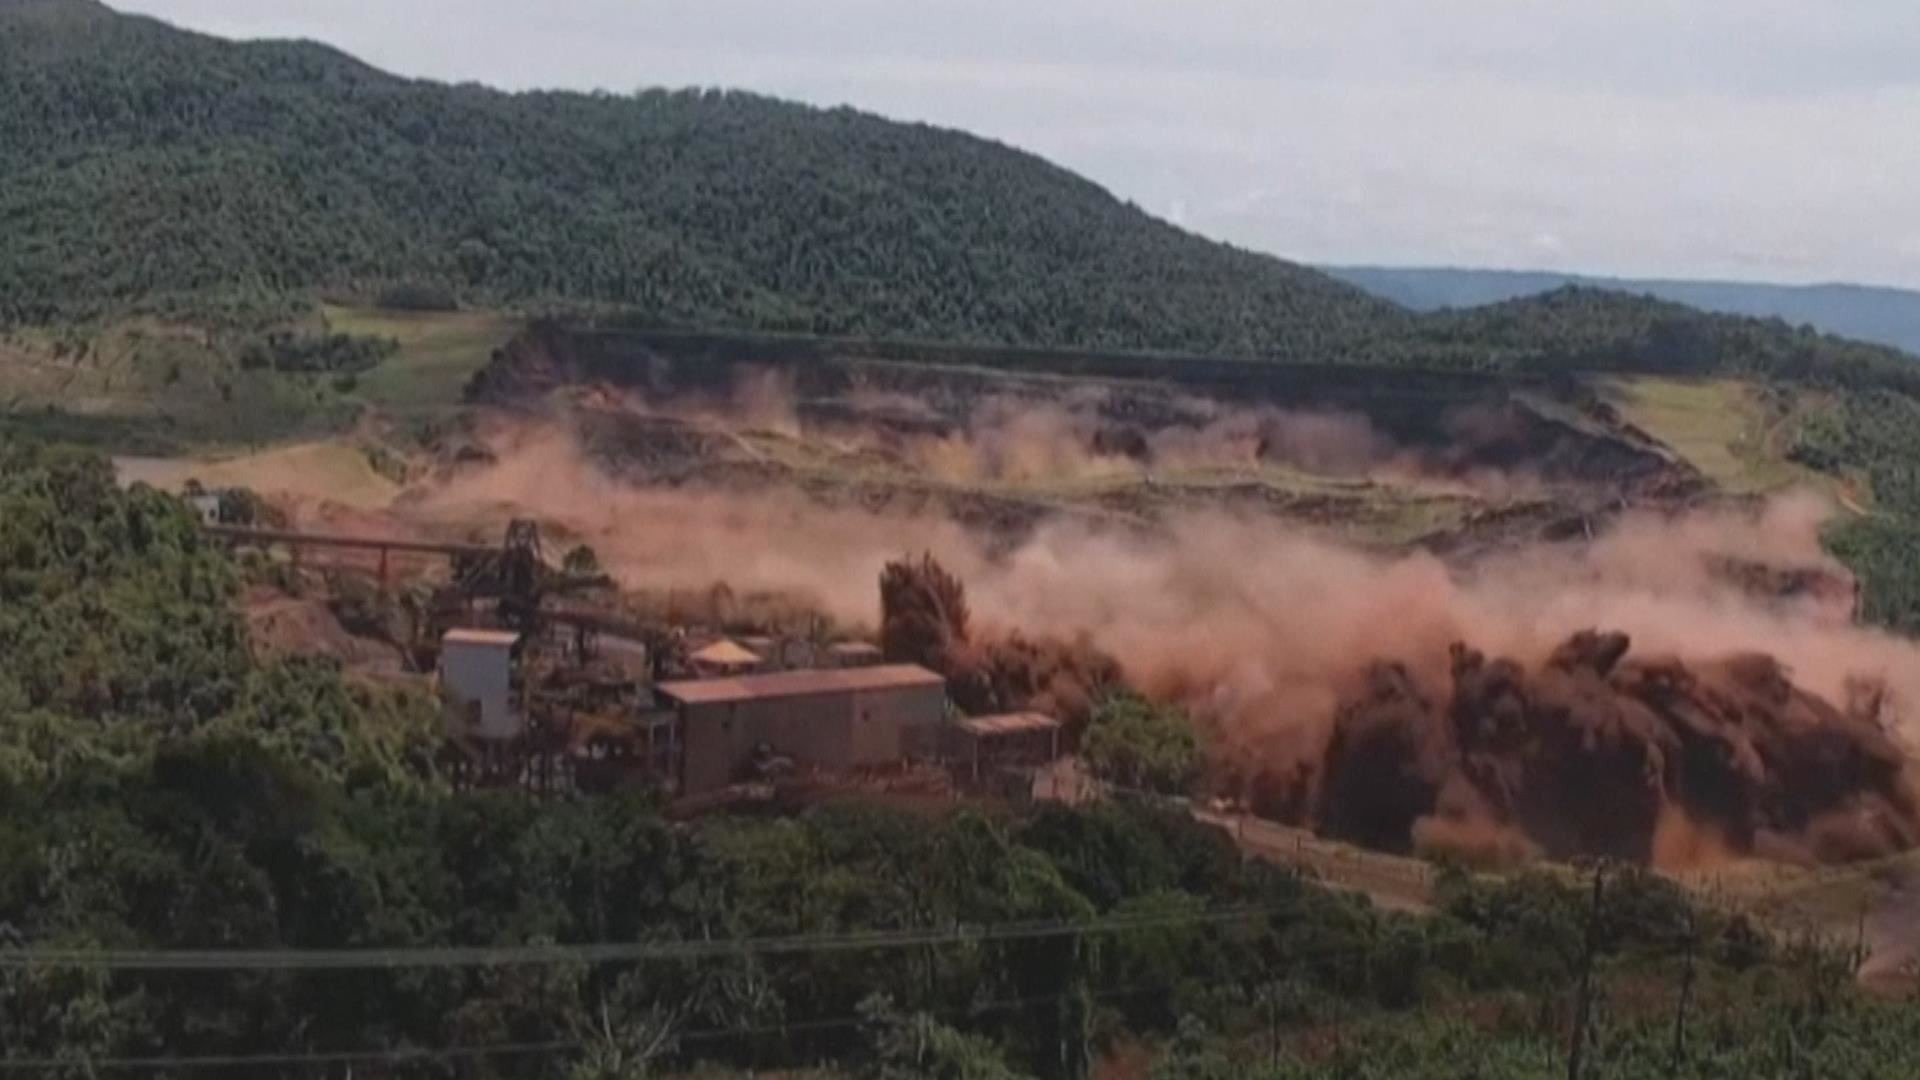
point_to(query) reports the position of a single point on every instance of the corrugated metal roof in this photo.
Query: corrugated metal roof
(798, 683)
(725, 654)
(1005, 724)
(473, 636)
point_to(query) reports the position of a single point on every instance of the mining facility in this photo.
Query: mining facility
(545, 685)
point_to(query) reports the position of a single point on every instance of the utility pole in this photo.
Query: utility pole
(1339, 1009)
(1270, 997)
(1577, 1052)
(1686, 1000)
(1859, 954)
(1273, 1034)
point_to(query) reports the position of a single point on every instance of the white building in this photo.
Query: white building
(207, 505)
(476, 680)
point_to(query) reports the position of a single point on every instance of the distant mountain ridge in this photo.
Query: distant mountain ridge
(148, 170)
(1876, 313)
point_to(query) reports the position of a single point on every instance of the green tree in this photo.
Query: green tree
(581, 560)
(1136, 743)
(918, 1047)
(622, 1042)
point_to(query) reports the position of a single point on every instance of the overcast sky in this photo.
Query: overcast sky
(1755, 139)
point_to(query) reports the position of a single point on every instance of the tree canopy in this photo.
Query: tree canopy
(1138, 744)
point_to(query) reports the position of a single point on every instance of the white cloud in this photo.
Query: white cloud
(1752, 138)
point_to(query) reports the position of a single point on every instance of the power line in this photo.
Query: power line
(349, 1057)
(409, 1055)
(599, 952)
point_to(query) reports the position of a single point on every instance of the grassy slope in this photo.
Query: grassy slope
(439, 352)
(144, 386)
(1725, 427)
(148, 388)
(336, 470)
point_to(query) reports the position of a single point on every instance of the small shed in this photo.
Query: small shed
(982, 745)
(476, 678)
(722, 658)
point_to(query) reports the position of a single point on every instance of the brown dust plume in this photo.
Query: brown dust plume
(1319, 663)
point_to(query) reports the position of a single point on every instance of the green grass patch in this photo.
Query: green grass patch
(335, 470)
(147, 387)
(439, 351)
(1733, 430)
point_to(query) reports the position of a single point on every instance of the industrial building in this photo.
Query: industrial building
(476, 680)
(597, 725)
(832, 720)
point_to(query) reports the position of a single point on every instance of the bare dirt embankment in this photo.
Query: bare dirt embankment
(1004, 441)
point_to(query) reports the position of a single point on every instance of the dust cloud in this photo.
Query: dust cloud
(925, 620)
(1080, 433)
(1007, 439)
(1307, 660)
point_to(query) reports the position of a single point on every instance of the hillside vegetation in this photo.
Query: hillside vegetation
(1873, 439)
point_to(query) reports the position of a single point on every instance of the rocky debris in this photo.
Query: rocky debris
(925, 621)
(1592, 752)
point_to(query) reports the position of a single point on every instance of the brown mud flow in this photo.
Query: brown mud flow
(924, 620)
(1590, 752)
(1585, 753)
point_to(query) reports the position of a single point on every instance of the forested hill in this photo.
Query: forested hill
(149, 167)
(1868, 312)
(1575, 328)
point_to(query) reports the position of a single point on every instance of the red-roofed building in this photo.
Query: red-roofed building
(834, 720)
